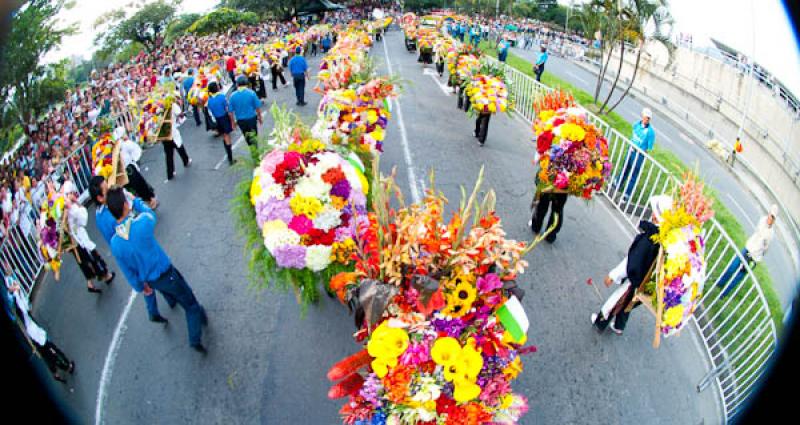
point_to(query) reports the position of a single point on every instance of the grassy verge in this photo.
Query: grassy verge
(729, 312)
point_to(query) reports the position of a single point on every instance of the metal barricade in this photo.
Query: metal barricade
(733, 320)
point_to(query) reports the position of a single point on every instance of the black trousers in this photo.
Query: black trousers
(482, 127)
(196, 115)
(300, 88)
(275, 75)
(169, 153)
(209, 122)
(249, 129)
(91, 263)
(440, 68)
(138, 185)
(553, 201)
(53, 357)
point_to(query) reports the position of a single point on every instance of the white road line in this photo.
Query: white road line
(111, 357)
(225, 157)
(435, 76)
(739, 207)
(412, 178)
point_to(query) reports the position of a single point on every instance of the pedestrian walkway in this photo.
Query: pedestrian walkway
(266, 364)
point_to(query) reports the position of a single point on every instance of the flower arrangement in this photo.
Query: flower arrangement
(573, 154)
(488, 94)
(347, 62)
(467, 65)
(683, 273)
(442, 330)
(153, 114)
(103, 156)
(357, 117)
(51, 236)
(426, 38)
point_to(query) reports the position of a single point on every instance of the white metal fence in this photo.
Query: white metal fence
(735, 325)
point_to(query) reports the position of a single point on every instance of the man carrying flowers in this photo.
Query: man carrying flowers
(633, 271)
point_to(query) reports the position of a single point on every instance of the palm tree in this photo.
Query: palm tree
(644, 21)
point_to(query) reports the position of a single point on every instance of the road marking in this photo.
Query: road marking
(225, 157)
(412, 178)
(739, 207)
(435, 76)
(111, 357)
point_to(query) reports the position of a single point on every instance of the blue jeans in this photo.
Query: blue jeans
(632, 167)
(733, 274)
(151, 302)
(300, 88)
(171, 284)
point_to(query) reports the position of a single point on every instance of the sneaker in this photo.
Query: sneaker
(615, 330)
(594, 318)
(530, 223)
(189, 164)
(71, 367)
(159, 319)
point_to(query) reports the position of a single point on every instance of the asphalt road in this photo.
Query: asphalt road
(739, 200)
(267, 365)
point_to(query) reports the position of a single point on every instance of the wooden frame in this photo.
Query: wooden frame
(118, 174)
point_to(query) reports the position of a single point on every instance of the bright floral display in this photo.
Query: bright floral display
(49, 228)
(573, 154)
(347, 61)
(426, 38)
(683, 274)
(488, 94)
(357, 117)
(103, 156)
(467, 65)
(442, 330)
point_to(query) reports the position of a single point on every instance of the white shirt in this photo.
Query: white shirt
(34, 331)
(130, 153)
(759, 241)
(78, 217)
(176, 134)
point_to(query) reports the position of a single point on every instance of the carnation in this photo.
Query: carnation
(318, 257)
(290, 256)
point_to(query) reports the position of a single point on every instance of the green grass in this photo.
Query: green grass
(729, 315)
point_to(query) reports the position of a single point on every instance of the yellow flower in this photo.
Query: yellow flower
(466, 391)
(506, 401)
(572, 132)
(513, 369)
(465, 293)
(507, 338)
(255, 189)
(381, 366)
(471, 359)
(302, 205)
(445, 351)
(546, 115)
(387, 343)
(673, 316)
(273, 226)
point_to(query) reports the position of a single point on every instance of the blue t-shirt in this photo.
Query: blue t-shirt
(140, 257)
(244, 103)
(542, 58)
(187, 84)
(298, 65)
(218, 105)
(643, 137)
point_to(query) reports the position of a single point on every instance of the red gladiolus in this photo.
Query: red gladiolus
(349, 386)
(349, 365)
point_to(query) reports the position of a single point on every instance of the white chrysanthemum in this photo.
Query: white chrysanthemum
(270, 191)
(312, 187)
(320, 130)
(328, 160)
(328, 218)
(318, 257)
(281, 237)
(352, 177)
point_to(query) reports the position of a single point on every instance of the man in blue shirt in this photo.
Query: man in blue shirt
(188, 82)
(218, 107)
(106, 224)
(246, 107)
(299, 69)
(145, 264)
(643, 137)
(538, 67)
(326, 43)
(502, 50)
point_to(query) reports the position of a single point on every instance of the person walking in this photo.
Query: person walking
(53, 357)
(298, 67)
(752, 253)
(106, 224)
(643, 137)
(277, 72)
(538, 67)
(230, 65)
(555, 203)
(147, 267)
(502, 49)
(246, 107)
(326, 43)
(634, 270)
(481, 126)
(188, 82)
(90, 262)
(172, 141)
(218, 107)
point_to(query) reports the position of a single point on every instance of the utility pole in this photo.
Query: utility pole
(566, 25)
(497, 9)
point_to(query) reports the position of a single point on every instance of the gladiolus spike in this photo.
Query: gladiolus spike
(349, 386)
(349, 365)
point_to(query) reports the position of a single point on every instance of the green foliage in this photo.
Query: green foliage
(266, 8)
(145, 25)
(179, 26)
(221, 20)
(129, 51)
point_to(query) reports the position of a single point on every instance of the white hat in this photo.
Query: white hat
(646, 112)
(773, 210)
(69, 187)
(659, 204)
(119, 132)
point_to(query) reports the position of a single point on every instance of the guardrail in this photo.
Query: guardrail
(733, 319)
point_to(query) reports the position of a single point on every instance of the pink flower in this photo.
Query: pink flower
(301, 224)
(562, 181)
(489, 283)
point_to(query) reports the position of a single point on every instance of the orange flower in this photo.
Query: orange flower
(339, 283)
(396, 383)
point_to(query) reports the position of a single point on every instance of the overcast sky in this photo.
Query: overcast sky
(737, 23)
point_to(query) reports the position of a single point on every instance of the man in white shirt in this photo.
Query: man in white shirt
(753, 252)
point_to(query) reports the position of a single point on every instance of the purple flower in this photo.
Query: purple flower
(371, 389)
(489, 283)
(290, 256)
(416, 353)
(452, 327)
(341, 189)
(273, 209)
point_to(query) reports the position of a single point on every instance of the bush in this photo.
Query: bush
(221, 20)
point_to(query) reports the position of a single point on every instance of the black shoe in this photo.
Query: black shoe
(474, 134)
(200, 348)
(159, 319)
(111, 279)
(94, 290)
(232, 162)
(551, 238)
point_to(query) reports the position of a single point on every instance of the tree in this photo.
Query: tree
(145, 25)
(34, 33)
(272, 8)
(179, 25)
(221, 20)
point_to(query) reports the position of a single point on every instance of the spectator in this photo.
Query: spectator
(643, 138)
(753, 253)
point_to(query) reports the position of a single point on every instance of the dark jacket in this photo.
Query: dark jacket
(642, 253)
